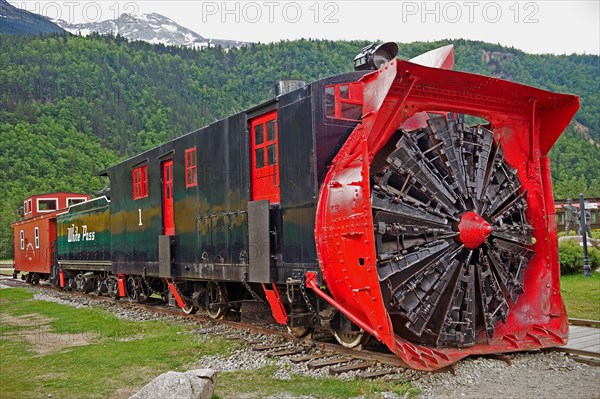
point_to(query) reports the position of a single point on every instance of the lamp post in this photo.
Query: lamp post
(587, 270)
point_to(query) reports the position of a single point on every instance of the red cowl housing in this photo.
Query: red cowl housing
(524, 122)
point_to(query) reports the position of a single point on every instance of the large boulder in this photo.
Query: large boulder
(193, 384)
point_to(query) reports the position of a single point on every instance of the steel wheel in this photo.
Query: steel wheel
(216, 293)
(352, 339)
(299, 332)
(136, 289)
(112, 286)
(80, 282)
(451, 233)
(189, 309)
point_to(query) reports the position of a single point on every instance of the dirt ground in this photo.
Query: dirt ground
(35, 330)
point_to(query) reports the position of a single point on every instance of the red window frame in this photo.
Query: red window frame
(265, 157)
(140, 182)
(345, 96)
(191, 175)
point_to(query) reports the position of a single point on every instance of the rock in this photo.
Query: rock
(591, 242)
(193, 384)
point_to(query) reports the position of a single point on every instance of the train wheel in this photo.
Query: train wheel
(80, 282)
(189, 309)
(299, 332)
(136, 290)
(216, 293)
(35, 279)
(99, 287)
(112, 286)
(352, 339)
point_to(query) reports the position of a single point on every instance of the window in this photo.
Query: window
(191, 177)
(265, 146)
(29, 206)
(265, 157)
(37, 237)
(344, 101)
(47, 204)
(22, 236)
(73, 201)
(140, 182)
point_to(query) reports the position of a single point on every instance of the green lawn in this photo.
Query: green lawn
(582, 295)
(117, 357)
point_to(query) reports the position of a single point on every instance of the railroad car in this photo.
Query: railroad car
(34, 235)
(83, 247)
(364, 203)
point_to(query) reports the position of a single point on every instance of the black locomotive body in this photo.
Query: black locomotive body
(223, 228)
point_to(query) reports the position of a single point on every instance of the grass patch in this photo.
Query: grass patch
(582, 295)
(118, 354)
(118, 357)
(260, 383)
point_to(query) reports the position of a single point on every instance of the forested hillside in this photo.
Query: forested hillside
(70, 106)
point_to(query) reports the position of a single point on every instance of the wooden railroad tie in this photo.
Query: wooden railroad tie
(375, 374)
(317, 364)
(286, 352)
(308, 358)
(350, 367)
(263, 348)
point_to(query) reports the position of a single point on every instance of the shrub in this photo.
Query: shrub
(570, 255)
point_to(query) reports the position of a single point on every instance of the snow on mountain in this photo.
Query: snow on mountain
(153, 28)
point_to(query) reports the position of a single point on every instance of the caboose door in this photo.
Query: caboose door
(167, 198)
(265, 157)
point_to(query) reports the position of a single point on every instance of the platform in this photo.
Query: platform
(583, 341)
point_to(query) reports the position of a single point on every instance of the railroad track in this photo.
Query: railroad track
(318, 353)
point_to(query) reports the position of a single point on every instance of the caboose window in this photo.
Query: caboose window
(191, 176)
(73, 201)
(37, 237)
(344, 101)
(140, 182)
(22, 237)
(47, 205)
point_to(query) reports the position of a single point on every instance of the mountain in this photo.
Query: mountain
(152, 28)
(16, 21)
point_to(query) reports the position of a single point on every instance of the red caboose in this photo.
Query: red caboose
(35, 234)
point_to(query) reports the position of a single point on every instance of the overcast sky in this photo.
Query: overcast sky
(559, 27)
